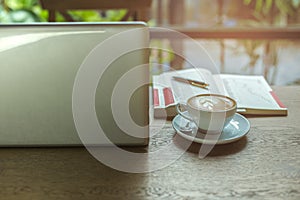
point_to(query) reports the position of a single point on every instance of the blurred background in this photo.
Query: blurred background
(242, 36)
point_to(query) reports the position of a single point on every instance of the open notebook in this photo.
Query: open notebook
(253, 94)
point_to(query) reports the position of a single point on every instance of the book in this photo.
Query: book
(253, 94)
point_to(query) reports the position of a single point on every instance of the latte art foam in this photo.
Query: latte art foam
(211, 103)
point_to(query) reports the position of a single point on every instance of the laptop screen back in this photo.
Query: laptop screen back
(38, 68)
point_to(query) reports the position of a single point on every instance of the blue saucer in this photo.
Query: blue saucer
(238, 128)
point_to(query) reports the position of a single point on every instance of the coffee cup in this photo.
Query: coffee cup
(210, 112)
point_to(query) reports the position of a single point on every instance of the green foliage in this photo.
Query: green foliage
(92, 15)
(115, 15)
(20, 16)
(26, 11)
(20, 4)
(263, 7)
(88, 15)
(21, 11)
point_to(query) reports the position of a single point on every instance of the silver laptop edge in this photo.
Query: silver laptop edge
(39, 64)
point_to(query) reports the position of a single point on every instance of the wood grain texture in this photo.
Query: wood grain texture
(289, 33)
(263, 165)
(94, 4)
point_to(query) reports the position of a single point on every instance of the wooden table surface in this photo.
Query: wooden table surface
(265, 164)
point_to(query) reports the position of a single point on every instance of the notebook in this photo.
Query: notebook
(253, 94)
(39, 65)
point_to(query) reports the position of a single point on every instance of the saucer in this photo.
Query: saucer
(239, 126)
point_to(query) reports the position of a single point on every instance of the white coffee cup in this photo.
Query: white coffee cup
(210, 112)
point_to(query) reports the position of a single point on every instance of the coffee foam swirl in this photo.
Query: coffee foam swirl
(211, 103)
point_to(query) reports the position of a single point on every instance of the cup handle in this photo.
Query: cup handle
(180, 112)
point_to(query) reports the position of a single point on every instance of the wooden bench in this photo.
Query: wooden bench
(138, 9)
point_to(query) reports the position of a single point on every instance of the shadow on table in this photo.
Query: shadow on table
(217, 150)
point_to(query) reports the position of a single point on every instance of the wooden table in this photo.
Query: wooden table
(265, 164)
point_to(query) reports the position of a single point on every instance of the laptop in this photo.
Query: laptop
(39, 66)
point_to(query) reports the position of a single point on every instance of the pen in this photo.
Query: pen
(192, 82)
